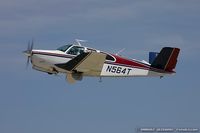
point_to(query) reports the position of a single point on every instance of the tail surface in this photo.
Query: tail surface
(166, 59)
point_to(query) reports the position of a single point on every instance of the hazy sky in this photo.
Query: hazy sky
(32, 101)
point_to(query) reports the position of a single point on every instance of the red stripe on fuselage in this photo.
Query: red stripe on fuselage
(53, 54)
(135, 64)
(129, 62)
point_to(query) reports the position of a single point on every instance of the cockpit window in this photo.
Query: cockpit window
(75, 50)
(64, 48)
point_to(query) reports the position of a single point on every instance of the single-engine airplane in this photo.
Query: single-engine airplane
(77, 61)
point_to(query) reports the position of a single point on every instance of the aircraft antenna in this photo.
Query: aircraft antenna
(79, 41)
(120, 51)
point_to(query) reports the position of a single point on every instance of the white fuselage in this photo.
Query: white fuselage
(45, 60)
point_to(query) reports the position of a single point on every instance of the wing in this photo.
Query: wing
(90, 63)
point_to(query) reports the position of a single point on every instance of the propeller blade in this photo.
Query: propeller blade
(28, 52)
(29, 43)
(32, 43)
(27, 63)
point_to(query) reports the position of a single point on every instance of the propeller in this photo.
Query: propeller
(28, 52)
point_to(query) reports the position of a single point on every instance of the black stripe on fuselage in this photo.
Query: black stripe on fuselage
(72, 64)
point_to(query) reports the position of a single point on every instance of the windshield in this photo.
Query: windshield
(64, 48)
(76, 50)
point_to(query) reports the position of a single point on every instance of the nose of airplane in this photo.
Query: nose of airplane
(27, 53)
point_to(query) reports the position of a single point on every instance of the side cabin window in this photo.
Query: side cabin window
(109, 57)
(76, 50)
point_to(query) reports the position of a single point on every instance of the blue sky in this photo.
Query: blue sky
(32, 101)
